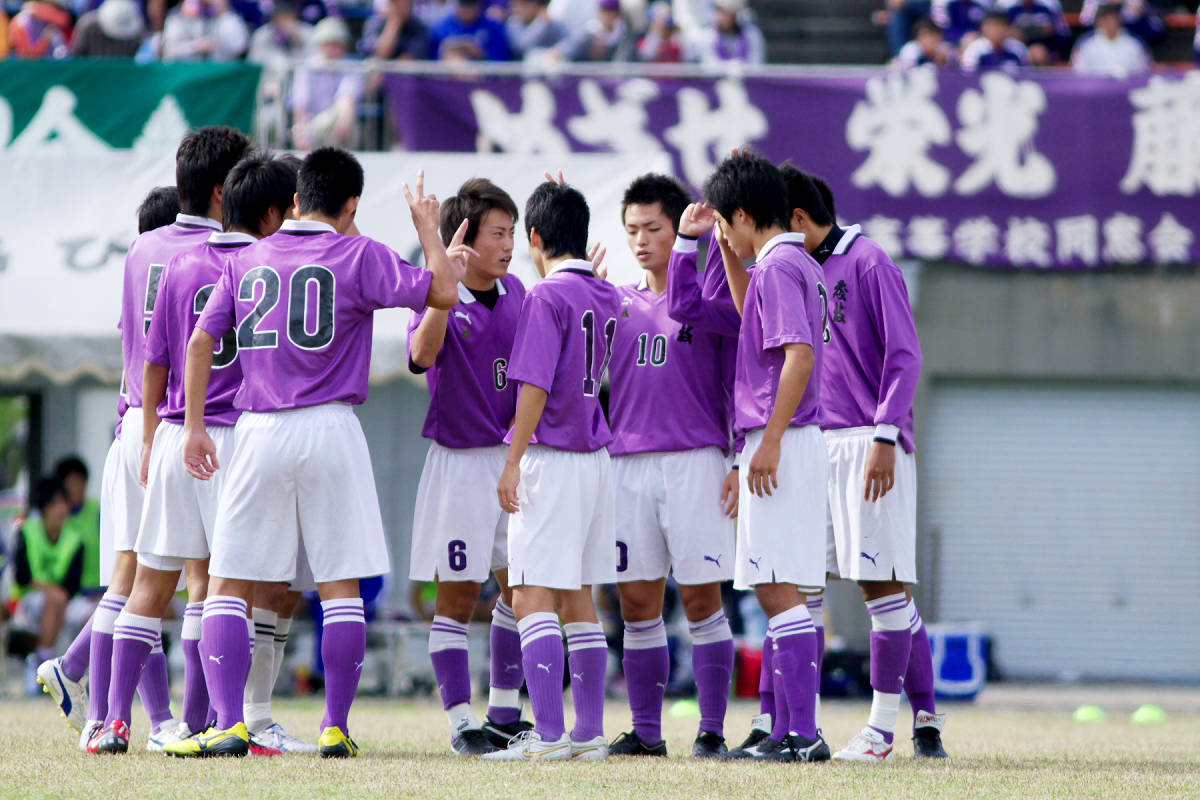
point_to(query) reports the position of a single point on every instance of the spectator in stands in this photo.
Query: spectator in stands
(48, 561)
(324, 95)
(663, 42)
(901, 18)
(733, 36)
(114, 30)
(204, 30)
(84, 517)
(41, 29)
(285, 36)
(575, 14)
(534, 34)
(995, 48)
(397, 33)
(929, 46)
(1041, 25)
(1109, 49)
(467, 34)
(960, 19)
(1138, 17)
(607, 36)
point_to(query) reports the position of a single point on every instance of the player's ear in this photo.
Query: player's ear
(214, 202)
(296, 203)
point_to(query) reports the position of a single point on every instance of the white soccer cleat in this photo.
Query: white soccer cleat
(90, 728)
(275, 736)
(70, 696)
(528, 746)
(868, 745)
(591, 750)
(169, 732)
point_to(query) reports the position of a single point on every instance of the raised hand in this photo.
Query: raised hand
(555, 177)
(425, 208)
(697, 220)
(596, 255)
(200, 455)
(458, 252)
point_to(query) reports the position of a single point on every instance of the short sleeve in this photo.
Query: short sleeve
(388, 281)
(782, 308)
(157, 350)
(218, 317)
(537, 345)
(413, 323)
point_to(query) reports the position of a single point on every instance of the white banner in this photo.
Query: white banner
(62, 246)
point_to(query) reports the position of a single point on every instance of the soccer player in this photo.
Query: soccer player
(781, 532)
(460, 537)
(178, 516)
(669, 413)
(872, 366)
(202, 161)
(301, 303)
(557, 480)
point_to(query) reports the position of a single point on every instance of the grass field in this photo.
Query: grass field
(1010, 749)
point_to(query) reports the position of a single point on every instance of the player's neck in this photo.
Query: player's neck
(551, 264)
(246, 231)
(818, 236)
(317, 216)
(656, 279)
(760, 238)
(478, 283)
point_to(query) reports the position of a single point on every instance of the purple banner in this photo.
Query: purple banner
(1032, 171)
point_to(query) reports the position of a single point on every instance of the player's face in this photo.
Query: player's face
(55, 513)
(75, 485)
(650, 235)
(994, 31)
(930, 41)
(526, 10)
(494, 243)
(740, 233)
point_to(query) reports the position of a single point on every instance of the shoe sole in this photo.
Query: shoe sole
(598, 754)
(337, 752)
(862, 759)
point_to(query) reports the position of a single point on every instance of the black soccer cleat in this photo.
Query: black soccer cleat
(499, 735)
(927, 736)
(472, 742)
(630, 744)
(808, 750)
(768, 750)
(748, 748)
(709, 745)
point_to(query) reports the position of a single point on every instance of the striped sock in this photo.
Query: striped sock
(542, 659)
(891, 643)
(504, 697)
(343, 648)
(448, 652)
(100, 658)
(712, 664)
(133, 638)
(588, 662)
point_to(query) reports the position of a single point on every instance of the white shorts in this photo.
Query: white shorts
(299, 476)
(459, 531)
(123, 475)
(669, 517)
(562, 536)
(180, 511)
(781, 537)
(875, 541)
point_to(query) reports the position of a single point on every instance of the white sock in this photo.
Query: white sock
(260, 683)
(282, 628)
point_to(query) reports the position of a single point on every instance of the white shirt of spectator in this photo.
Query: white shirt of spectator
(1096, 54)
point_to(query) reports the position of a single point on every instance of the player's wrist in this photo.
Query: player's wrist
(887, 434)
(685, 243)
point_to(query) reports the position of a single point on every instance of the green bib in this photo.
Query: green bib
(48, 561)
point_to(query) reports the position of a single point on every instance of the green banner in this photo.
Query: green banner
(90, 105)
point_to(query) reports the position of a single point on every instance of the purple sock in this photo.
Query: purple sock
(100, 656)
(133, 639)
(226, 655)
(343, 648)
(918, 679)
(542, 660)
(589, 664)
(75, 660)
(448, 652)
(712, 665)
(647, 666)
(507, 675)
(155, 687)
(816, 610)
(794, 663)
(766, 679)
(891, 643)
(195, 690)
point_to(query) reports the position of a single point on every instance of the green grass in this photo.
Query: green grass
(996, 754)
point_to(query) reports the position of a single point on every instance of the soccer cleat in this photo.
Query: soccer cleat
(528, 746)
(258, 747)
(927, 735)
(274, 736)
(808, 750)
(167, 733)
(70, 696)
(90, 729)
(630, 744)
(867, 745)
(335, 743)
(591, 750)
(709, 745)
(472, 742)
(501, 734)
(111, 739)
(231, 742)
(760, 731)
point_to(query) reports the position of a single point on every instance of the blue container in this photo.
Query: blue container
(960, 659)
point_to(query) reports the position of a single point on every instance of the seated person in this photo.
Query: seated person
(533, 34)
(1138, 17)
(960, 19)
(606, 37)
(284, 36)
(397, 33)
(732, 36)
(41, 29)
(1110, 49)
(1040, 24)
(204, 30)
(325, 98)
(468, 34)
(996, 47)
(929, 46)
(663, 42)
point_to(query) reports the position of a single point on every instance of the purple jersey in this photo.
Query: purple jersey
(704, 300)
(471, 401)
(302, 302)
(148, 256)
(873, 359)
(563, 344)
(183, 290)
(667, 384)
(785, 304)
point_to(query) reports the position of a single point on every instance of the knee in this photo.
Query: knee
(635, 608)
(270, 596)
(700, 602)
(457, 600)
(55, 600)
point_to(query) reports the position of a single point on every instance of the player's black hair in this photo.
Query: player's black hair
(253, 187)
(1106, 9)
(652, 188)
(826, 195)
(292, 161)
(158, 209)
(474, 200)
(561, 216)
(995, 15)
(803, 194)
(202, 161)
(926, 25)
(44, 492)
(752, 183)
(329, 176)
(70, 465)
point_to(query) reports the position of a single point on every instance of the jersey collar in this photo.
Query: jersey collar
(192, 221)
(465, 296)
(574, 265)
(782, 238)
(306, 227)
(231, 239)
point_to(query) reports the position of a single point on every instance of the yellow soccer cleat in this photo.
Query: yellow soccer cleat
(233, 741)
(336, 744)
